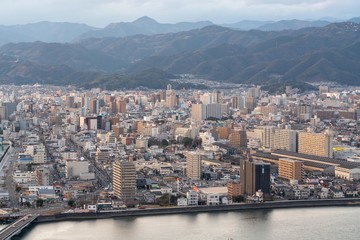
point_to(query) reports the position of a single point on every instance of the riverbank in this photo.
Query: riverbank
(199, 209)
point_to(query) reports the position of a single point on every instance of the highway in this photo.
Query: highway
(16, 227)
(6, 169)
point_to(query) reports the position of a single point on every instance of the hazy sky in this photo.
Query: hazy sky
(101, 12)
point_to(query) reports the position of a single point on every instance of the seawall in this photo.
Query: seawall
(199, 209)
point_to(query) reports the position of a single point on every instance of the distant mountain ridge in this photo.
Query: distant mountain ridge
(330, 53)
(60, 32)
(143, 25)
(63, 32)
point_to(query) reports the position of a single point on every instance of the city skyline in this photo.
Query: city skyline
(101, 13)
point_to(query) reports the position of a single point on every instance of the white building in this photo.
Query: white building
(182, 201)
(192, 197)
(76, 168)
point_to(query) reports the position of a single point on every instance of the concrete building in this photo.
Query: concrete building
(323, 89)
(193, 165)
(234, 189)
(238, 138)
(255, 175)
(102, 154)
(43, 176)
(317, 144)
(282, 139)
(192, 198)
(75, 168)
(291, 169)
(124, 181)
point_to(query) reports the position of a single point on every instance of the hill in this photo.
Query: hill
(42, 31)
(144, 26)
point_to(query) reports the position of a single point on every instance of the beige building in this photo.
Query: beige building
(75, 168)
(317, 144)
(234, 189)
(124, 181)
(291, 169)
(238, 138)
(276, 138)
(193, 165)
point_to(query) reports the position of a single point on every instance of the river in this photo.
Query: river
(280, 224)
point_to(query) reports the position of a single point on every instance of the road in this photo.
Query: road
(9, 162)
(102, 176)
(15, 227)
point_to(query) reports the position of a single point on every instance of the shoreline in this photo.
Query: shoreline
(199, 209)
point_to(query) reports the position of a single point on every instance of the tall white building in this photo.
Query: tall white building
(276, 138)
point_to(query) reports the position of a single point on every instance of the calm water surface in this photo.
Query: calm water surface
(280, 224)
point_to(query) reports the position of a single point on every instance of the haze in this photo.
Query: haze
(101, 12)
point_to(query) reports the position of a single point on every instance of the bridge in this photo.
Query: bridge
(15, 228)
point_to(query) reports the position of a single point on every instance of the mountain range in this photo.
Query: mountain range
(315, 53)
(63, 32)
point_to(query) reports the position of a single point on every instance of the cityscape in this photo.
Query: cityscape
(186, 120)
(72, 152)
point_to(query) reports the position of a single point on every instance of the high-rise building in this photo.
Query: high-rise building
(198, 112)
(250, 103)
(121, 106)
(291, 169)
(124, 181)
(318, 144)
(203, 111)
(254, 176)
(94, 106)
(303, 112)
(238, 138)
(276, 138)
(69, 101)
(193, 165)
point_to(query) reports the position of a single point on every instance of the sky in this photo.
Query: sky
(100, 13)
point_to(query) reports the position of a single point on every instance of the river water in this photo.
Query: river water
(280, 224)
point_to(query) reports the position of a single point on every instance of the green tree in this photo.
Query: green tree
(39, 202)
(238, 199)
(187, 141)
(166, 200)
(164, 143)
(71, 203)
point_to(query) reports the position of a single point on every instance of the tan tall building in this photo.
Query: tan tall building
(223, 132)
(291, 169)
(238, 138)
(121, 106)
(198, 112)
(193, 165)
(235, 189)
(124, 181)
(317, 144)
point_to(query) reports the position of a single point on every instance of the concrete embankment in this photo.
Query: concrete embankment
(199, 209)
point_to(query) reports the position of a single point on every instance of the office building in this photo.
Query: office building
(254, 176)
